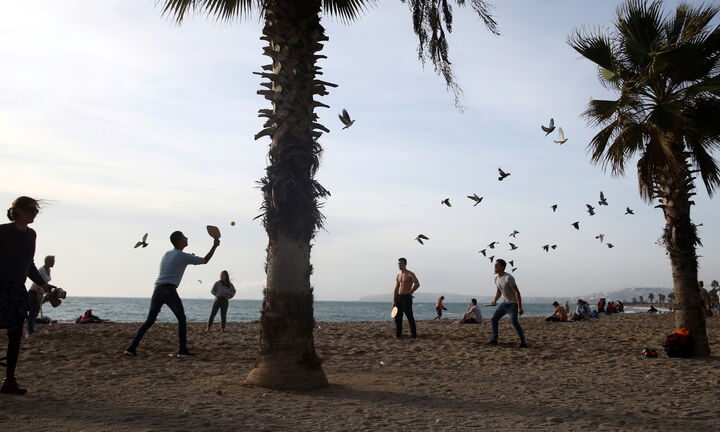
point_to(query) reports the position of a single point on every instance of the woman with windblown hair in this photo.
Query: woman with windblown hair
(17, 250)
(223, 290)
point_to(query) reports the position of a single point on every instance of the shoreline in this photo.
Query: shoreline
(573, 376)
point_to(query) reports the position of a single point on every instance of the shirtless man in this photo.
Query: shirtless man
(439, 307)
(405, 285)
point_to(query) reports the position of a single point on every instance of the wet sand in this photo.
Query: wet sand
(574, 376)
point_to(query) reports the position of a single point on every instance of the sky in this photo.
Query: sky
(128, 123)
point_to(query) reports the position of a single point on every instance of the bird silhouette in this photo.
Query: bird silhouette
(553, 246)
(200, 281)
(514, 233)
(142, 242)
(492, 245)
(628, 211)
(446, 201)
(420, 238)
(475, 198)
(514, 269)
(576, 225)
(610, 245)
(492, 258)
(512, 246)
(546, 248)
(602, 201)
(503, 174)
(548, 130)
(601, 237)
(590, 210)
(554, 207)
(483, 252)
(345, 119)
(512, 263)
(561, 138)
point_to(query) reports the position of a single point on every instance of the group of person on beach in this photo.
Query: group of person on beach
(406, 283)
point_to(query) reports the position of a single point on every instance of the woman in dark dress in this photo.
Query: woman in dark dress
(17, 249)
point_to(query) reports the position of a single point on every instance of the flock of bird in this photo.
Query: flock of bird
(561, 139)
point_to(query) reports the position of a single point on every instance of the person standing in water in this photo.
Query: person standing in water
(223, 290)
(172, 268)
(406, 283)
(17, 251)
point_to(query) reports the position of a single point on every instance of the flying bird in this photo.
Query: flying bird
(492, 258)
(590, 209)
(628, 211)
(475, 198)
(514, 233)
(601, 237)
(200, 281)
(492, 245)
(602, 201)
(561, 138)
(483, 252)
(503, 174)
(446, 201)
(142, 242)
(512, 246)
(512, 263)
(610, 245)
(576, 225)
(514, 269)
(345, 119)
(554, 207)
(553, 246)
(420, 238)
(546, 248)
(550, 128)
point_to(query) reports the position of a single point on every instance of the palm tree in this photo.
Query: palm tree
(665, 72)
(661, 298)
(641, 299)
(290, 210)
(651, 296)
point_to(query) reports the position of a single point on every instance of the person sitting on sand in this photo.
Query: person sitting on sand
(652, 309)
(473, 315)
(619, 306)
(439, 307)
(582, 311)
(511, 305)
(611, 309)
(172, 268)
(601, 306)
(406, 283)
(223, 290)
(559, 315)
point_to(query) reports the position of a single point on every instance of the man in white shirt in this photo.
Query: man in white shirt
(511, 305)
(473, 315)
(35, 296)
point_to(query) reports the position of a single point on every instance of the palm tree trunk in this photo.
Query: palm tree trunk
(680, 238)
(287, 358)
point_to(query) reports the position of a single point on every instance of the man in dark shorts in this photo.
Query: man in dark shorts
(406, 283)
(172, 268)
(439, 307)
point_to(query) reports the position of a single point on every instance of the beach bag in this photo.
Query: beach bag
(679, 344)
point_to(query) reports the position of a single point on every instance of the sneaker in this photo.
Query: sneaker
(130, 352)
(10, 386)
(184, 353)
(523, 345)
(492, 342)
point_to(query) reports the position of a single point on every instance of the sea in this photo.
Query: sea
(123, 309)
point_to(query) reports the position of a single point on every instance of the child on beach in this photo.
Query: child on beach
(223, 290)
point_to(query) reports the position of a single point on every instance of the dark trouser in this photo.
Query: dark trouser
(222, 304)
(164, 294)
(552, 319)
(404, 305)
(512, 310)
(13, 351)
(33, 312)
(439, 312)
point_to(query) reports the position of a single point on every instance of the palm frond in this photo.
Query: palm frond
(222, 10)
(347, 10)
(706, 164)
(641, 25)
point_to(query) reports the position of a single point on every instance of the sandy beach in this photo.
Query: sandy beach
(574, 376)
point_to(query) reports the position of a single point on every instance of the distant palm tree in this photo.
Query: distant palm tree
(665, 71)
(291, 209)
(642, 300)
(661, 298)
(651, 296)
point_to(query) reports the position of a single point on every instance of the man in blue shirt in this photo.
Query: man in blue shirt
(172, 268)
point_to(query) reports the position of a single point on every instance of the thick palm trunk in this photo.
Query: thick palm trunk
(680, 238)
(287, 358)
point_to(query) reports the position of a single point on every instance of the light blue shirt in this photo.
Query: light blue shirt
(173, 266)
